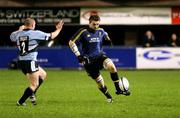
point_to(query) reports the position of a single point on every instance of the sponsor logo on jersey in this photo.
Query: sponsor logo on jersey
(92, 40)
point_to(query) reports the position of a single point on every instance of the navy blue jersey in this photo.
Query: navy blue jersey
(89, 41)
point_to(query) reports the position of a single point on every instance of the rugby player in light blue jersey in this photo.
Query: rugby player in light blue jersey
(27, 40)
(87, 46)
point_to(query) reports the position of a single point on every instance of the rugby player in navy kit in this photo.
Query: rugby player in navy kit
(27, 40)
(87, 46)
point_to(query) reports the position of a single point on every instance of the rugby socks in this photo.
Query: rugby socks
(115, 78)
(40, 82)
(105, 92)
(28, 92)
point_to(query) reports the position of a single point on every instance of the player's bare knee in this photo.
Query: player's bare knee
(42, 73)
(34, 85)
(109, 65)
(113, 69)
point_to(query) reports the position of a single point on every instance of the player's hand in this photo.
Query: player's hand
(80, 59)
(21, 28)
(59, 25)
(83, 60)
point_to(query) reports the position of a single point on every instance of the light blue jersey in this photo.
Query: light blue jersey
(28, 41)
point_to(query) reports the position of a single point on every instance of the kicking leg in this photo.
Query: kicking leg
(109, 65)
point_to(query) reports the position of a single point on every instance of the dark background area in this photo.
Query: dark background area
(120, 35)
(82, 3)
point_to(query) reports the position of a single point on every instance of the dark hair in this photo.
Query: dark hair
(94, 18)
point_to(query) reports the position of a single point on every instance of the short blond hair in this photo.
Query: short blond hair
(29, 21)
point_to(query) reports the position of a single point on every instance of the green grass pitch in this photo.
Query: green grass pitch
(72, 94)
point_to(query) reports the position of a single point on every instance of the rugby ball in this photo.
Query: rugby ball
(124, 84)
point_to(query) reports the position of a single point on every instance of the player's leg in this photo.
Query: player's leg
(33, 79)
(42, 76)
(102, 87)
(109, 65)
(30, 69)
(93, 71)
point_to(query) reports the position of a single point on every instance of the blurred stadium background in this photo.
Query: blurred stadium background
(68, 92)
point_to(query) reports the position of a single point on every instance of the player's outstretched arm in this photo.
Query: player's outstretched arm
(58, 29)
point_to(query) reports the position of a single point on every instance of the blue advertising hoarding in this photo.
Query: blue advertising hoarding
(64, 58)
(6, 56)
(122, 57)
